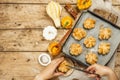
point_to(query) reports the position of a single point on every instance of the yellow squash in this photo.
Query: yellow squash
(84, 4)
(67, 22)
(54, 11)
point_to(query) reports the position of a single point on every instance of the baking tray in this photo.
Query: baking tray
(114, 40)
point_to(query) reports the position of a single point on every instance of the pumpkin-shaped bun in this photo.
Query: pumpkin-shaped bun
(104, 48)
(79, 33)
(75, 49)
(90, 42)
(64, 66)
(89, 23)
(105, 33)
(91, 58)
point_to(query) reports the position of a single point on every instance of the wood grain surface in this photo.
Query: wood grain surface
(28, 44)
(26, 40)
(38, 1)
(25, 16)
(116, 2)
(19, 65)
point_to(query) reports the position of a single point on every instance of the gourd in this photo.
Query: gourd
(67, 22)
(84, 4)
(49, 32)
(54, 11)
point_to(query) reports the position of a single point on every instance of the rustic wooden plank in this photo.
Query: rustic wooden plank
(102, 13)
(37, 1)
(113, 18)
(25, 40)
(25, 16)
(117, 64)
(9, 77)
(107, 15)
(116, 2)
(117, 9)
(20, 66)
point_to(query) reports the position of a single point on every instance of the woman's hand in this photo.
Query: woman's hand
(49, 71)
(102, 71)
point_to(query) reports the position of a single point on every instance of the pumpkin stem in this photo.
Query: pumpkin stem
(66, 24)
(84, 2)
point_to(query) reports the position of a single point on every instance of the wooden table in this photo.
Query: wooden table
(21, 41)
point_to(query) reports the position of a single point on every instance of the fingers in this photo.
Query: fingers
(92, 75)
(91, 68)
(56, 62)
(58, 74)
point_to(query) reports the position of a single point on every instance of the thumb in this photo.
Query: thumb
(58, 74)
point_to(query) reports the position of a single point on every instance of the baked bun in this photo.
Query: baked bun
(64, 66)
(91, 58)
(104, 48)
(79, 33)
(90, 42)
(75, 49)
(105, 33)
(89, 23)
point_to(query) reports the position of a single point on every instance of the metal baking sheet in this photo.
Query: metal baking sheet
(114, 40)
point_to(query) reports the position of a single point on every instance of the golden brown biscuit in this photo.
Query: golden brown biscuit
(105, 33)
(91, 58)
(63, 67)
(90, 42)
(75, 49)
(104, 48)
(79, 33)
(89, 23)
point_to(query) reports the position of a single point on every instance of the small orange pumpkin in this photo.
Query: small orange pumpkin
(84, 4)
(54, 49)
(66, 22)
